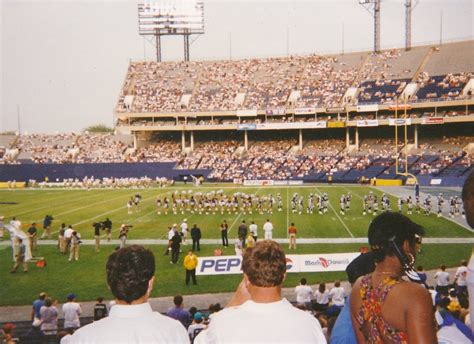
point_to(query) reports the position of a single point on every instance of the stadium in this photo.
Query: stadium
(320, 142)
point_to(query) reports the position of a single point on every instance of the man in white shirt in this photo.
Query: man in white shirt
(303, 294)
(72, 311)
(268, 229)
(130, 276)
(184, 230)
(460, 279)
(257, 313)
(253, 231)
(442, 280)
(337, 294)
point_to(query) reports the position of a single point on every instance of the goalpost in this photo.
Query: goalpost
(412, 180)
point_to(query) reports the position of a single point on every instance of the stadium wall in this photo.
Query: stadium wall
(39, 172)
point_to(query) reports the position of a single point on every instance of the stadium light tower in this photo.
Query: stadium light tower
(171, 18)
(373, 7)
(408, 9)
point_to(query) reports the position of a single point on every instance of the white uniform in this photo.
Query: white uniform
(268, 229)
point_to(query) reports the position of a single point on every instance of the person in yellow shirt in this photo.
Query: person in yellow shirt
(250, 240)
(190, 264)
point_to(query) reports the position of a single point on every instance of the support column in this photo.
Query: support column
(357, 137)
(192, 141)
(301, 139)
(134, 140)
(246, 140)
(183, 140)
(348, 138)
(416, 137)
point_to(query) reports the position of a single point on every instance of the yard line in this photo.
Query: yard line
(111, 211)
(337, 215)
(240, 213)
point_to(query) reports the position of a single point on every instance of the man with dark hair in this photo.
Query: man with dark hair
(242, 232)
(32, 237)
(130, 276)
(258, 305)
(178, 312)
(175, 247)
(196, 236)
(468, 200)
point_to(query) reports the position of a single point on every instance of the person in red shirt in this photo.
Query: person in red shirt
(292, 236)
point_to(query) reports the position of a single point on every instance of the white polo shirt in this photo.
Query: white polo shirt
(131, 324)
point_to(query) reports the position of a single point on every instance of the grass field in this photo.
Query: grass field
(87, 276)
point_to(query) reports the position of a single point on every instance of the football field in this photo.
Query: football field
(81, 208)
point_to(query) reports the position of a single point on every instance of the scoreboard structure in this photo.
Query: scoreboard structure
(171, 18)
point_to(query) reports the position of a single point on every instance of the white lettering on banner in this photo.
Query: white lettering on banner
(226, 265)
(436, 181)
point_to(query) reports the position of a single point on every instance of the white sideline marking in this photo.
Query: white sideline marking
(337, 215)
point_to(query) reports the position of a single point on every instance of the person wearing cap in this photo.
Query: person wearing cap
(384, 307)
(72, 310)
(196, 326)
(131, 277)
(32, 236)
(184, 230)
(36, 309)
(257, 312)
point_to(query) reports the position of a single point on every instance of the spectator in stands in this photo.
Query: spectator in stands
(130, 276)
(36, 310)
(303, 294)
(343, 332)
(321, 298)
(442, 280)
(49, 317)
(178, 312)
(337, 294)
(468, 200)
(196, 326)
(72, 310)
(257, 312)
(100, 309)
(385, 308)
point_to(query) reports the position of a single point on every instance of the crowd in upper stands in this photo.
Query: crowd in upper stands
(278, 159)
(271, 83)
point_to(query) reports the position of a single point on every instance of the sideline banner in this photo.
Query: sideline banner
(258, 182)
(227, 265)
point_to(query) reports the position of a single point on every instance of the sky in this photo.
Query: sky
(63, 62)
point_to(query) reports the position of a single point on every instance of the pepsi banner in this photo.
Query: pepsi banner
(227, 265)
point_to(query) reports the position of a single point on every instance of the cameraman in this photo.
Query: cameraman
(75, 242)
(124, 234)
